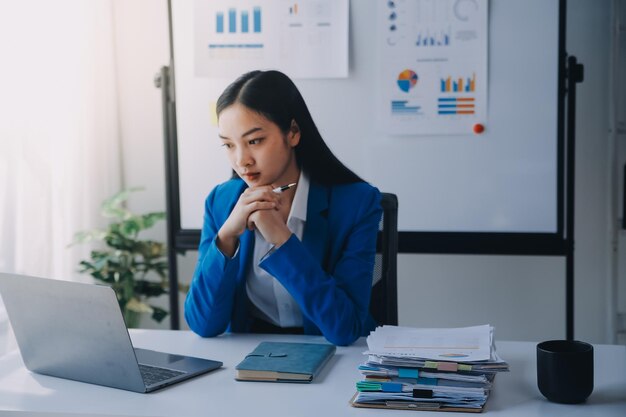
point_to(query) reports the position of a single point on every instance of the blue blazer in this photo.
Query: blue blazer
(328, 273)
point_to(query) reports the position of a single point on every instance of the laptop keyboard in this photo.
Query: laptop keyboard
(153, 375)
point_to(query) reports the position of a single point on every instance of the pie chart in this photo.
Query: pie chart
(407, 80)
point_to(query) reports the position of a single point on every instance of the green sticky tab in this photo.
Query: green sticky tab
(430, 364)
(408, 373)
(367, 386)
(464, 367)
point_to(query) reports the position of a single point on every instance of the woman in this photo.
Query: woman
(274, 258)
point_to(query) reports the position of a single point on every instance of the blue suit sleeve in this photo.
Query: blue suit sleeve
(337, 302)
(209, 302)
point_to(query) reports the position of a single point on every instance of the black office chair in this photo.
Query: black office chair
(384, 299)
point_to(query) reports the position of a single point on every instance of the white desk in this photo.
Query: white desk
(515, 394)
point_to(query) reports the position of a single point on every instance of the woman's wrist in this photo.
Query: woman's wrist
(226, 244)
(281, 238)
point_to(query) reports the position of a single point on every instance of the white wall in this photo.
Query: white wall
(524, 297)
(588, 38)
(142, 48)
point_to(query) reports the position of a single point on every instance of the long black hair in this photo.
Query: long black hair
(273, 95)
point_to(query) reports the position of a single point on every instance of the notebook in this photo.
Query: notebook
(284, 362)
(76, 331)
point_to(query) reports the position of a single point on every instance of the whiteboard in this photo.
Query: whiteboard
(504, 180)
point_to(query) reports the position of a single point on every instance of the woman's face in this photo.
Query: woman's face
(257, 149)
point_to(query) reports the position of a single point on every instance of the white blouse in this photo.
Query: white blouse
(271, 301)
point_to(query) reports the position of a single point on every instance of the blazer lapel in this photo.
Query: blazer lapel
(315, 237)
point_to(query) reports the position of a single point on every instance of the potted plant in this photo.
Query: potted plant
(135, 268)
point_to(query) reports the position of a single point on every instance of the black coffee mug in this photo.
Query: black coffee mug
(565, 370)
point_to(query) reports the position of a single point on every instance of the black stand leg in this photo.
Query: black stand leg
(171, 155)
(574, 76)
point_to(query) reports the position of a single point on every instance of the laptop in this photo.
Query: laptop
(76, 331)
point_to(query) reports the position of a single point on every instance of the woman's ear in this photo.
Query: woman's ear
(294, 134)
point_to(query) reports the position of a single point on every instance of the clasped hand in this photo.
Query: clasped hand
(260, 208)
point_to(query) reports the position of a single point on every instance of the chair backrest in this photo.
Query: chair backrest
(384, 299)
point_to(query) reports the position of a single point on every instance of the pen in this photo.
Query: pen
(284, 187)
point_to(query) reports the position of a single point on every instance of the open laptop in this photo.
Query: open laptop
(76, 331)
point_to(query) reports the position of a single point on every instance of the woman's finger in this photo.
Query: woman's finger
(263, 193)
(260, 205)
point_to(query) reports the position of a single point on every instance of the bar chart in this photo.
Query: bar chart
(456, 105)
(230, 16)
(458, 85)
(434, 38)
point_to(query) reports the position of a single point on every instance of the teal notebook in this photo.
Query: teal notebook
(284, 362)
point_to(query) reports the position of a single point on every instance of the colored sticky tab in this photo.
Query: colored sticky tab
(367, 386)
(465, 367)
(408, 373)
(430, 364)
(427, 381)
(367, 383)
(372, 378)
(391, 387)
(448, 366)
(422, 393)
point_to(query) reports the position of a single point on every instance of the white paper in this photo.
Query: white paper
(465, 344)
(433, 66)
(305, 39)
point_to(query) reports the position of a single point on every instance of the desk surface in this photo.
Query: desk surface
(217, 393)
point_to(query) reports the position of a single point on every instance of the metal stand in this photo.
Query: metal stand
(163, 81)
(574, 75)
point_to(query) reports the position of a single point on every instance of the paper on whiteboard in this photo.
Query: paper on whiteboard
(433, 66)
(305, 39)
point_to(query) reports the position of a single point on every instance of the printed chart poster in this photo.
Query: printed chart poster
(304, 39)
(433, 66)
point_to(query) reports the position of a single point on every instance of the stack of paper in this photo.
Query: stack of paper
(430, 369)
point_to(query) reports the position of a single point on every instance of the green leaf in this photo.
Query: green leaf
(150, 289)
(112, 207)
(131, 226)
(117, 240)
(150, 249)
(151, 219)
(158, 313)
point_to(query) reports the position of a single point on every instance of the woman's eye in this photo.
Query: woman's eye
(227, 145)
(255, 141)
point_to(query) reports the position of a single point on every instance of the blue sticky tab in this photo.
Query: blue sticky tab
(408, 373)
(427, 381)
(391, 387)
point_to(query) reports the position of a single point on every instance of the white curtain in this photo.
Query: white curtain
(59, 139)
